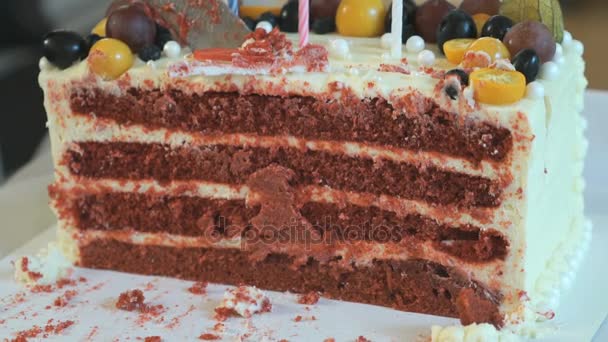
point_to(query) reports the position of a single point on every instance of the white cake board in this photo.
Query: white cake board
(187, 316)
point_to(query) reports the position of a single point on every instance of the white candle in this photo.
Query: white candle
(397, 28)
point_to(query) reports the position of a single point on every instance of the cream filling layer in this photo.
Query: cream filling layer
(448, 215)
(77, 128)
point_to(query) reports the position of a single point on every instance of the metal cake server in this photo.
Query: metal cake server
(200, 23)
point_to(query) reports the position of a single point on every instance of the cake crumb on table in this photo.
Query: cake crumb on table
(244, 301)
(209, 337)
(309, 298)
(132, 300)
(199, 288)
(152, 339)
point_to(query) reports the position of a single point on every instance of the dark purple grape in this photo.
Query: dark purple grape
(116, 4)
(323, 8)
(64, 48)
(428, 18)
(461, 74)
(531, 35)
(163, 35)
(324, 25)
(132, 26)
(497, 27)
(288, 20)
(250, 22)
(528, 63)
(490, 7)
(456, 24)
(409, 17)
(150, 53)
(269, 17)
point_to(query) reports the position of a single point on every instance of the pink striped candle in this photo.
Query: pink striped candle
(303, 17)
(396, 28)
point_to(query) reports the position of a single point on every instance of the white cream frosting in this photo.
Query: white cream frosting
(471, 333)
(45, 268)
(244, 300)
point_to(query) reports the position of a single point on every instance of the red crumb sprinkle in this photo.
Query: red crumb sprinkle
(61, 283)
(152, 339)
(199, 288)
(209, 337)
(298, 318)
(362, 339)
(222, 314)
(65, 298)
(42, 288)
(131, 301)
(48, 329)
(310, 298)
(330, 339)
(218, 327)
(284, 340)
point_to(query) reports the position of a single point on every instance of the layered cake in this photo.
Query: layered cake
(446, 185)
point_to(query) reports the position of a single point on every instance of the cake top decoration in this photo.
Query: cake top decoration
(200, 24)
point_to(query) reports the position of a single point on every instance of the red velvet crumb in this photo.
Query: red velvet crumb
(362, 339)
(222, 314)
(152, 339)
(199, 288)
(131, 301)
(209, 337)
(310, 298)
(65, 298)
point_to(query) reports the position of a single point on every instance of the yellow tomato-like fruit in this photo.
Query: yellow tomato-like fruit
(100, 28)
(360, 18)
(480, 20)
(498, 87)
(455, 49)
(110, 58)
(492, 46)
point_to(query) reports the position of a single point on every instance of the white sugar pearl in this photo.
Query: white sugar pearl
(567, 37)
(151, 64)
(414, 44)
(577, 47)
(426, 58)
(386, 41)
(549, 71)
(172, 49)
(44, 64)
(339, 48)
(264, 25)
(535, 90)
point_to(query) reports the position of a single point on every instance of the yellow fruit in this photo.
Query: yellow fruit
(498, 87)
(100, 28)
(360, 18)
(110, 58)
(480, 20)
(492, 46)
(548, 12)
(454, 49)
